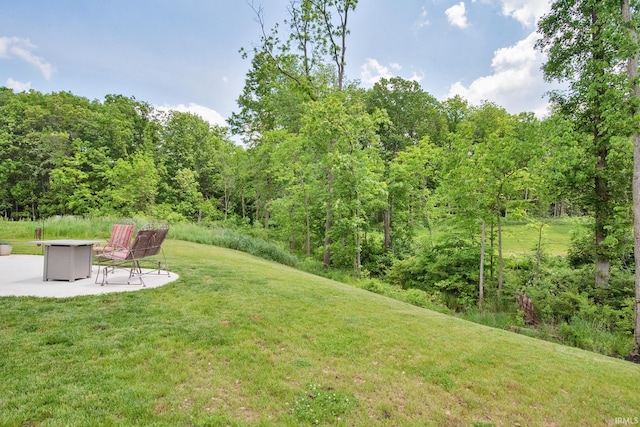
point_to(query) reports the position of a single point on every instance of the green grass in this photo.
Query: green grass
(522, 238)
(238, 341)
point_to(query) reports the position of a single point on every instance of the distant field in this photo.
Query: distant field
(522, 238)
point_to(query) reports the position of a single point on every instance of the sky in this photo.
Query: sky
(184, 54)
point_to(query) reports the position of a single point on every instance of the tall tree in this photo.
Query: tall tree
(487, 174)
(584, 42)
(632, 70)
(413, 114)
(353, 162)
(312, 57)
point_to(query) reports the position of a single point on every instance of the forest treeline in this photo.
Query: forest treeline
(399, 161)
(347, 175)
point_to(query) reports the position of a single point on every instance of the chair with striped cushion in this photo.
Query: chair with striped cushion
(147, 244)
(120, 239)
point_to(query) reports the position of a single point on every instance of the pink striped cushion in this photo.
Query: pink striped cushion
(121, 236)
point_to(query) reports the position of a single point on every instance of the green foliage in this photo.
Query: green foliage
(63, 155)
(595, 335)
(417, 297)
(449, 267)
(588, 45)
(619, 245)
(231, 239)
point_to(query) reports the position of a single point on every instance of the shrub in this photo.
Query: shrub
(417, 297)
(234, 240)
(372, 285)
(449, 268)
(582, 248)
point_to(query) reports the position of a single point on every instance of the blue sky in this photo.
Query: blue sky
(183, 54)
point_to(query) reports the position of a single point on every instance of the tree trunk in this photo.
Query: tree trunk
(327, 224)
(600, 143)
(633, 76)
(307, 217)
(500, 261)
(636, 234)
(481, 282)
(386, 222)
(491, 247)
(601, 216)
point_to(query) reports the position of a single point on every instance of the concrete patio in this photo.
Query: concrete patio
(21, 275)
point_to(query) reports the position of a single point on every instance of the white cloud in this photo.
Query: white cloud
(515, 81)
(457, 16)
(14, 47)
(423, 19)
(526, 12)
(205, 113)
(416, 77)
(372, 71)
(17, 86)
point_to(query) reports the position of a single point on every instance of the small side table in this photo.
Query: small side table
(67, 259)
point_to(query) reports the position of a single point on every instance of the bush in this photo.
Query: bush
(582, 248)
(372, 285)
(417, 297)
(448, 268)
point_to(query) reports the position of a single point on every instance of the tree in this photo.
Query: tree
(585, 44)
(632, 70)
(294, 166)
(353, 163)
(132, 186)
(410, 180)
(486, 174)
(413, 114)
(312, 58)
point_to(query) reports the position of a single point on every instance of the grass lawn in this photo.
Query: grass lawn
(519, 238)
(241, 341)
(522, 239)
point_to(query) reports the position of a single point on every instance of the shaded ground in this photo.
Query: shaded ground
(635, 358)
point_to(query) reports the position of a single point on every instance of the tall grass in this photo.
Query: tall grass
(20, 232)
(231, 239)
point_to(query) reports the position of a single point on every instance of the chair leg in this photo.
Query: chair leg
(136, 270)
(105, 272)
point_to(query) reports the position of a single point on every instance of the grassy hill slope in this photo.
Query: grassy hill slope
(241, 341)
